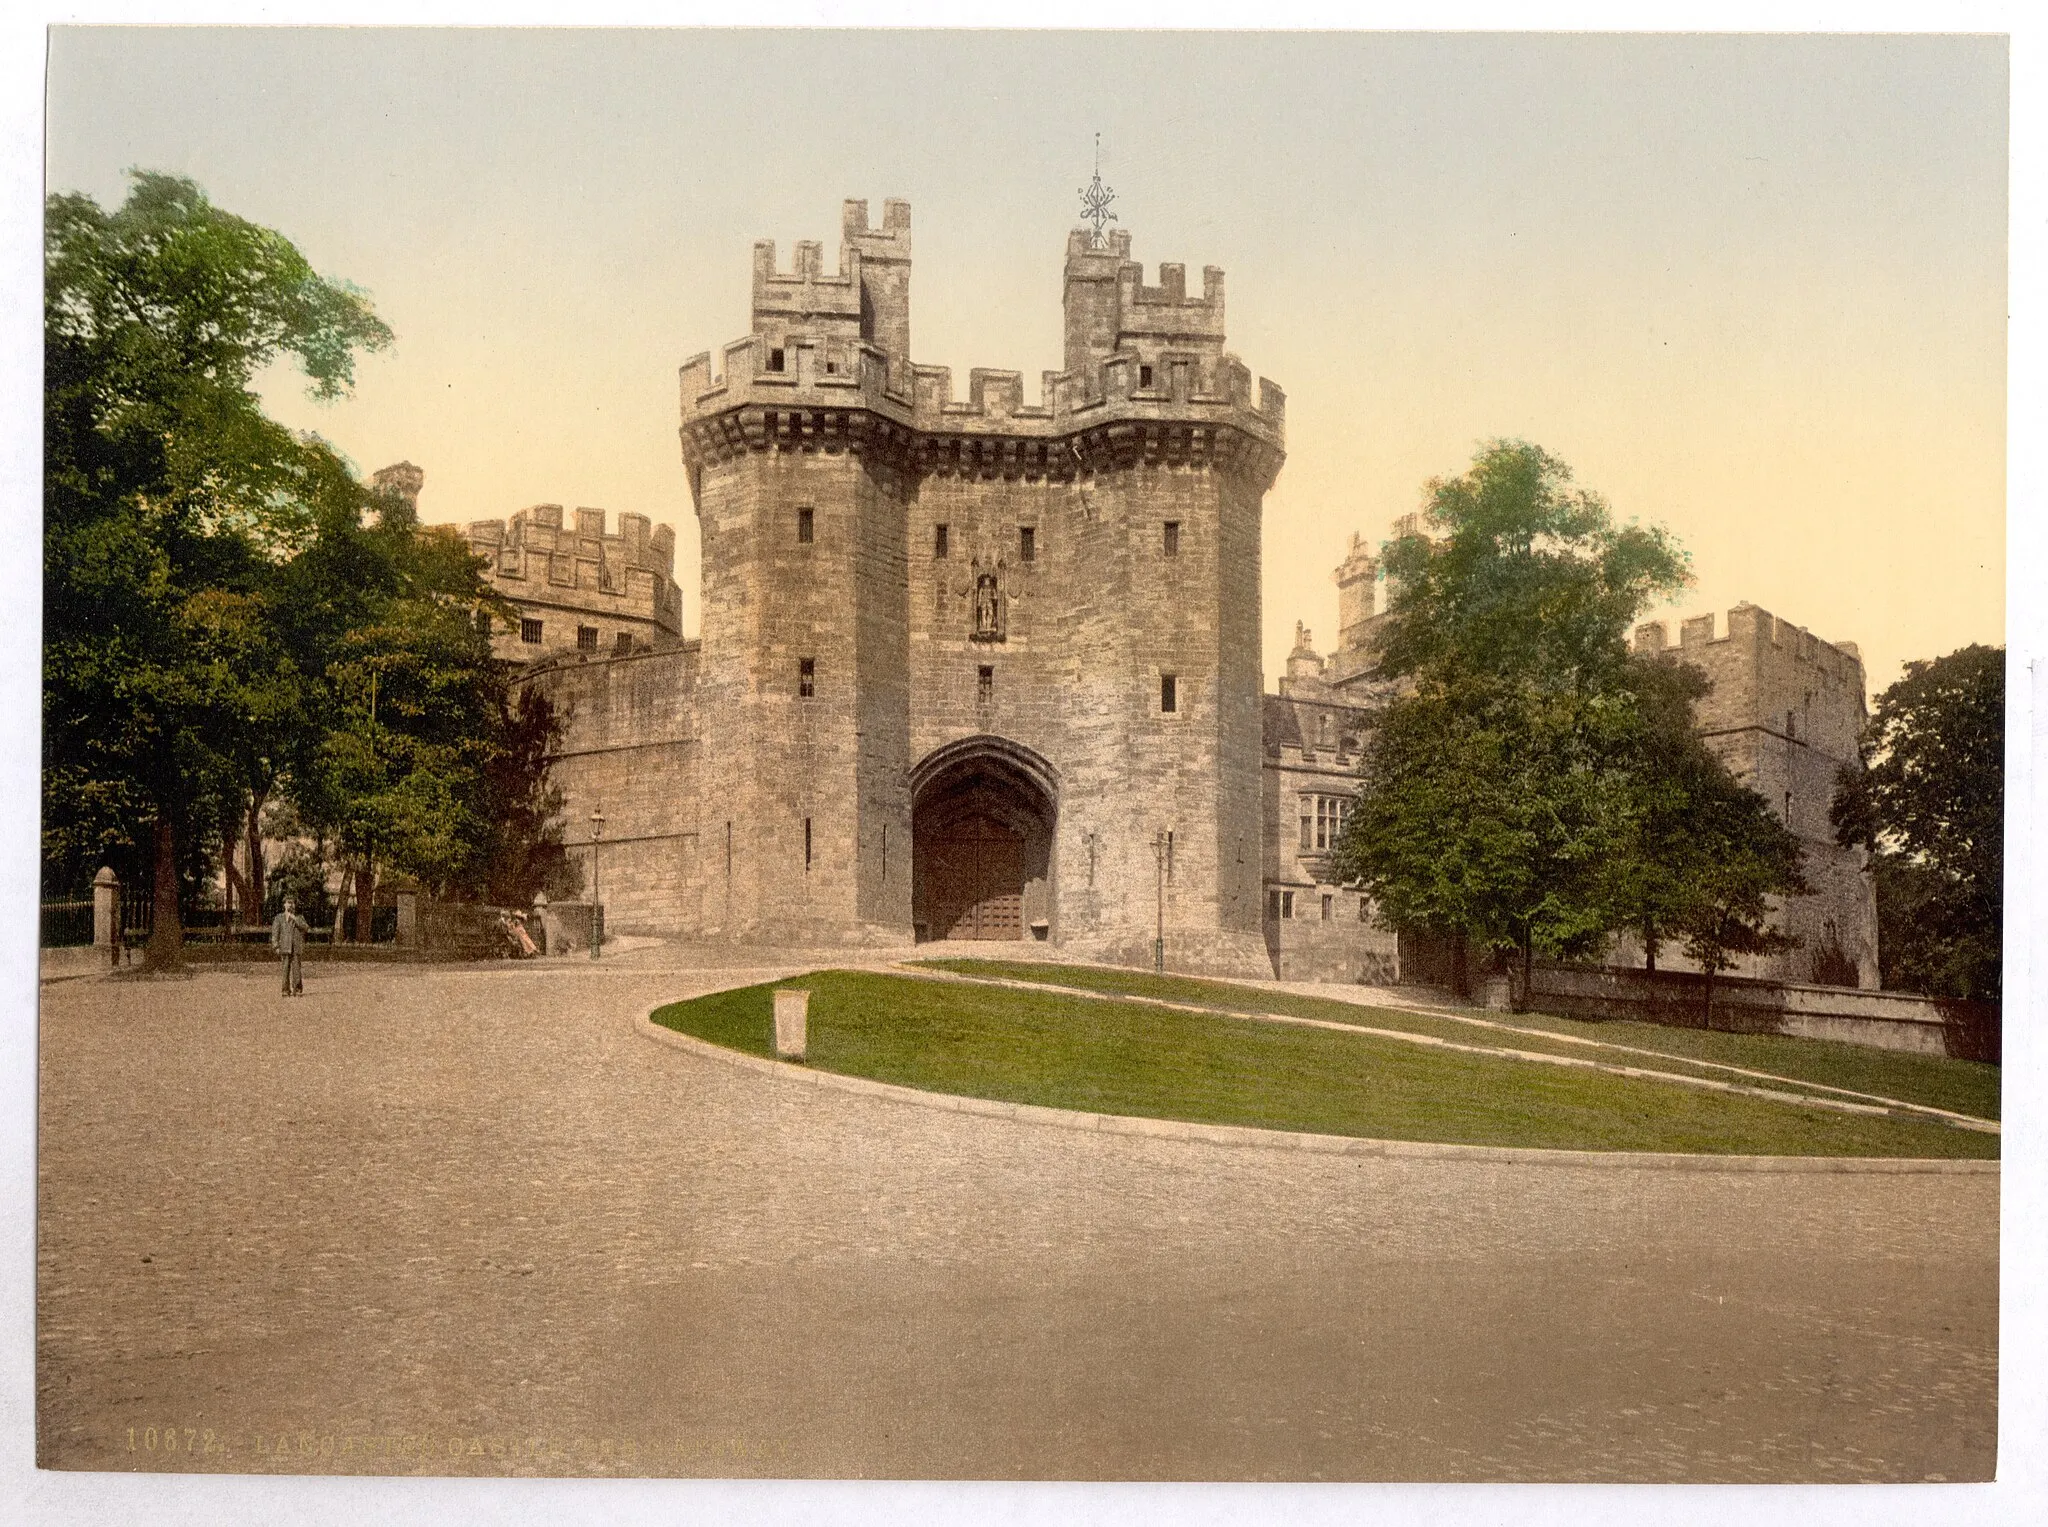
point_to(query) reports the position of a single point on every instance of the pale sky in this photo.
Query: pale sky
(1752, 289)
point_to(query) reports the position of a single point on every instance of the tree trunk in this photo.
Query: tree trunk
(253, 834)
(341, 909)
(166, 947)
(1708, 989)
(1649, 948)
(1461, 978)
(366, 884)
(1521, 1003)
(234, 894)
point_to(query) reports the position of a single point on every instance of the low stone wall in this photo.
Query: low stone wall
(1883, 1020)
(562, 927)
(319, 951)
(1189, 952)
(1333, 949)
(462, 929)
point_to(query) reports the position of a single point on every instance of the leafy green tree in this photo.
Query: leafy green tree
(1739, 861)
(167, 494)
(1646, 876)
(255, 699)
(520, 852)
(1930, 806)
(1528, 578)
(1700, 858)
(423, 761)
(1486, 812)
(1497, 787)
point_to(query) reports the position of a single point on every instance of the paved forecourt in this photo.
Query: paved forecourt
(469, 1220)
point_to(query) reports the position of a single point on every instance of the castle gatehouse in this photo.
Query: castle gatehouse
(969, 667)
(977, 668)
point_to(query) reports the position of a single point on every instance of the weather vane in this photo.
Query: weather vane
(1095, 200)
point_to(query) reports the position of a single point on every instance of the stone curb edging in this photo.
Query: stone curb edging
(1293, 1140)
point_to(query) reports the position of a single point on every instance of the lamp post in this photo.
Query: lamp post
(596, 902)
(1159, 881)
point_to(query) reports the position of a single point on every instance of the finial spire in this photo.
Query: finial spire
(1095, 200)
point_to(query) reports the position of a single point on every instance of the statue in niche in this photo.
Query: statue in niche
(988, 608)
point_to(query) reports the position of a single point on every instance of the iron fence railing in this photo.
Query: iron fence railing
(138, 914)
(66, 924)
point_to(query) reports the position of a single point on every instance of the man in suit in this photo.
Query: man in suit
(288, 933)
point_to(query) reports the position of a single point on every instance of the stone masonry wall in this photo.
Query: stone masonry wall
(1315, 929)
(805, 780)
(822, 464)
(1785, 712)
(1092, 624)
(630, 751)
(818, 410)
(575, 576)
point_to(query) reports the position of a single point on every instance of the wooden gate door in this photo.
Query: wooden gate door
(974, 881)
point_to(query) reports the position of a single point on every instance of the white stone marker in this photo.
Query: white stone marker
(792, 1009)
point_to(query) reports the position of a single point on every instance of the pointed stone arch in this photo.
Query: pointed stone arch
(984, 811)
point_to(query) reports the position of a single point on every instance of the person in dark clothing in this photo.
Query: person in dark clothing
(288, 933)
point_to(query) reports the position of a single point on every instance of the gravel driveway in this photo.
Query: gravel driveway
(465, 1220)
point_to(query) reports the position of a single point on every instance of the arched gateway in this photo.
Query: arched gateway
(983, 812)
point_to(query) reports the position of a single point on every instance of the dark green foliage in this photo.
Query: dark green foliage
(1536, 787)
(396, 772)
(1701, 857)
(1487, 809)
(1740, 858)
(1930, 806)
(1528, 578)
(229, 615)
(300, 876)
(421, 758)
(166, 493)
(520, 850)
(1496, 789)
(1646, 882)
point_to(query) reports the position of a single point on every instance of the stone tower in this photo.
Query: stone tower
(979, 667)
(800, 468)
(1785, 713)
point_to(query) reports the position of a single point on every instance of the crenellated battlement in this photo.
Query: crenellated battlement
(823, 343)
(1747, 625)
(804, 401)
(1166, 312)
(1111, 311)
(820, 375)
(847, 371)
(1785, 712)
(867, 302)
(543, 529)
(890, 242)
(858, 243)
(804, 290)
(1770, 679)
(546, 559)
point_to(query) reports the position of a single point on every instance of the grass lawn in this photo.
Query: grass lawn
(1966, 1086)
(1124, 1058)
